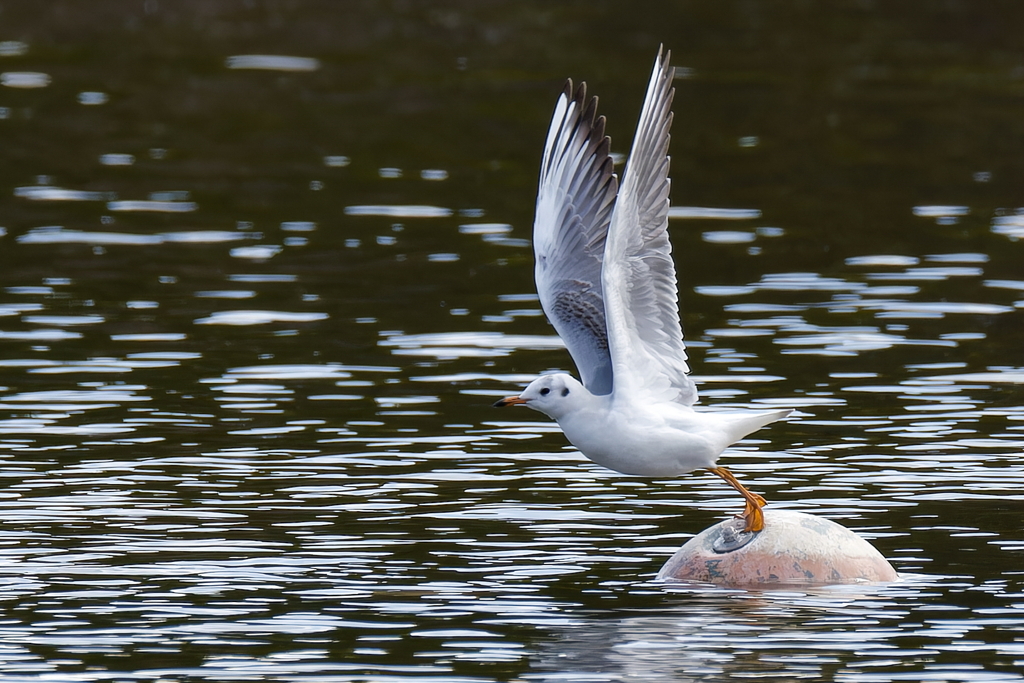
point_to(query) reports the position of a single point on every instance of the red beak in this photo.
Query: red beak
(510, 401)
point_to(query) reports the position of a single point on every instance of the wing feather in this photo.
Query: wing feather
(574, 206)
(639, 279)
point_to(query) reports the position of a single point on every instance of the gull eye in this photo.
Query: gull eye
(565, 392)
(545, 391)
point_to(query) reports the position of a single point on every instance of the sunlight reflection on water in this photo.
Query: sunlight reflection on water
(251, 332)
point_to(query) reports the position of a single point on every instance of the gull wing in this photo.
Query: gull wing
(639, 278)
(574, 207)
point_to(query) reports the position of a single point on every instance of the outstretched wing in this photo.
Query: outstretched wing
(639, 279)
(574, 206)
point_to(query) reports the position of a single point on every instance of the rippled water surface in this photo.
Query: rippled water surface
(265, 266)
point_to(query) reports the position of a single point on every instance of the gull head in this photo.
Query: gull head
(554, 395)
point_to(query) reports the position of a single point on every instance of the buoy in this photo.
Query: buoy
(794, 548)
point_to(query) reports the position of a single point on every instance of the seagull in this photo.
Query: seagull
(607, 283)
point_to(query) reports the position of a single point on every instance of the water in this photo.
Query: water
(264, 268)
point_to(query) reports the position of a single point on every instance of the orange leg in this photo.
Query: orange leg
(752, 511)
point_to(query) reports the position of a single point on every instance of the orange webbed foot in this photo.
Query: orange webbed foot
(754, 518)
(754, 502)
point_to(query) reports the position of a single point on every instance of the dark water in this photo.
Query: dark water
(253, 313)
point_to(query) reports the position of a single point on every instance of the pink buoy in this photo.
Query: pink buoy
(794, 548)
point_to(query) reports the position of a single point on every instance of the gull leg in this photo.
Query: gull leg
(752, 511)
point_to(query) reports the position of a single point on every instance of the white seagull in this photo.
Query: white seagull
(607, 284)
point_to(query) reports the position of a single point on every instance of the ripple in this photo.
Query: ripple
(226, 294)
(208, 236)
(164, 355)
(42, 427)
(337, 161)
(272, 63)
(736, 378)
(81, 397)
(728, 237)
(966, 257)
(262, 277)
(103, 365)
(93, 98)
(940, 210)
(485, 229)
(117, 159)
(258, 317)
(1011, 226)
(18, 309)
(890, 290)
(502, 241)
(30, 290)
(302, 371)
(260, 252)
(24, 79)
(806, 281)
(39, 335)
(149, 205)
(13, 48)
(466, 344)
(61, 320)
(334, 397)
(724, 290)
(47, 193)
(298, 226)
(60, 235)
(737, 332)
(935, 309)
(1005, 284)
(929, 274)
(850, 341)
(880, 260)
(398, 211)
(1004, 376)
(717, 214)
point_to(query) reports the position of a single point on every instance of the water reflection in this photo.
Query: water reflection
(272, 63)
(848, 634)
(24, 79)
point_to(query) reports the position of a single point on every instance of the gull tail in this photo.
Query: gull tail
(739, 425)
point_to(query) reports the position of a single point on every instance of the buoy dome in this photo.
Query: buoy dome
(794, 548)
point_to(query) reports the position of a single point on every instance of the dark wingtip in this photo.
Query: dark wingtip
(599, 126)
(581, 92)
(590, 113)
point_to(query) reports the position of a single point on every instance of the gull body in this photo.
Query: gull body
(607, 283)
(653, 439)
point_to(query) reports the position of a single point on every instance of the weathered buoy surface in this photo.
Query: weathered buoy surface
(794, 548)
